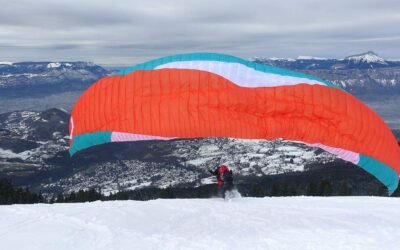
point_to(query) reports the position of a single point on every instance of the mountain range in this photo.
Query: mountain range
(38, 79)
(367, 60)
(358, 74)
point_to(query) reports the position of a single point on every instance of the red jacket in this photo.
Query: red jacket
(219, 173)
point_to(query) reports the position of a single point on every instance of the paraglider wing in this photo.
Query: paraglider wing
(214, 95)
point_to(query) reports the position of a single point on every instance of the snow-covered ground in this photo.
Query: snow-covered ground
(244, 223)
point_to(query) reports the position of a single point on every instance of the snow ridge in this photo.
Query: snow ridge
(6, 63)
(311, 58)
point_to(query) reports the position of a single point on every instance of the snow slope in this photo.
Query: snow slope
(246, 223)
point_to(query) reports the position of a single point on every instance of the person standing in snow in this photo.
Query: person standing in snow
(224, 179)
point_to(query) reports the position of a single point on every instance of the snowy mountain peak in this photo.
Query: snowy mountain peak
(263, 59)
(53, 65)
(6, 63)
(57, 65)
(310, 58)
(367, 57)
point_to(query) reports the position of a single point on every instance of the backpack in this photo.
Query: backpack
(228, 176)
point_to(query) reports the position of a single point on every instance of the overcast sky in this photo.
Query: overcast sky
(125, 32)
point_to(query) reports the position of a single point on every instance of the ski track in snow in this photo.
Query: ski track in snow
(246, 223)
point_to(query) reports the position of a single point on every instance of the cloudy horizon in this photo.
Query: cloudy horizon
(128, 32)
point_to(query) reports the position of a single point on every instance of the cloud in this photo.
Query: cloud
(125, 32)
